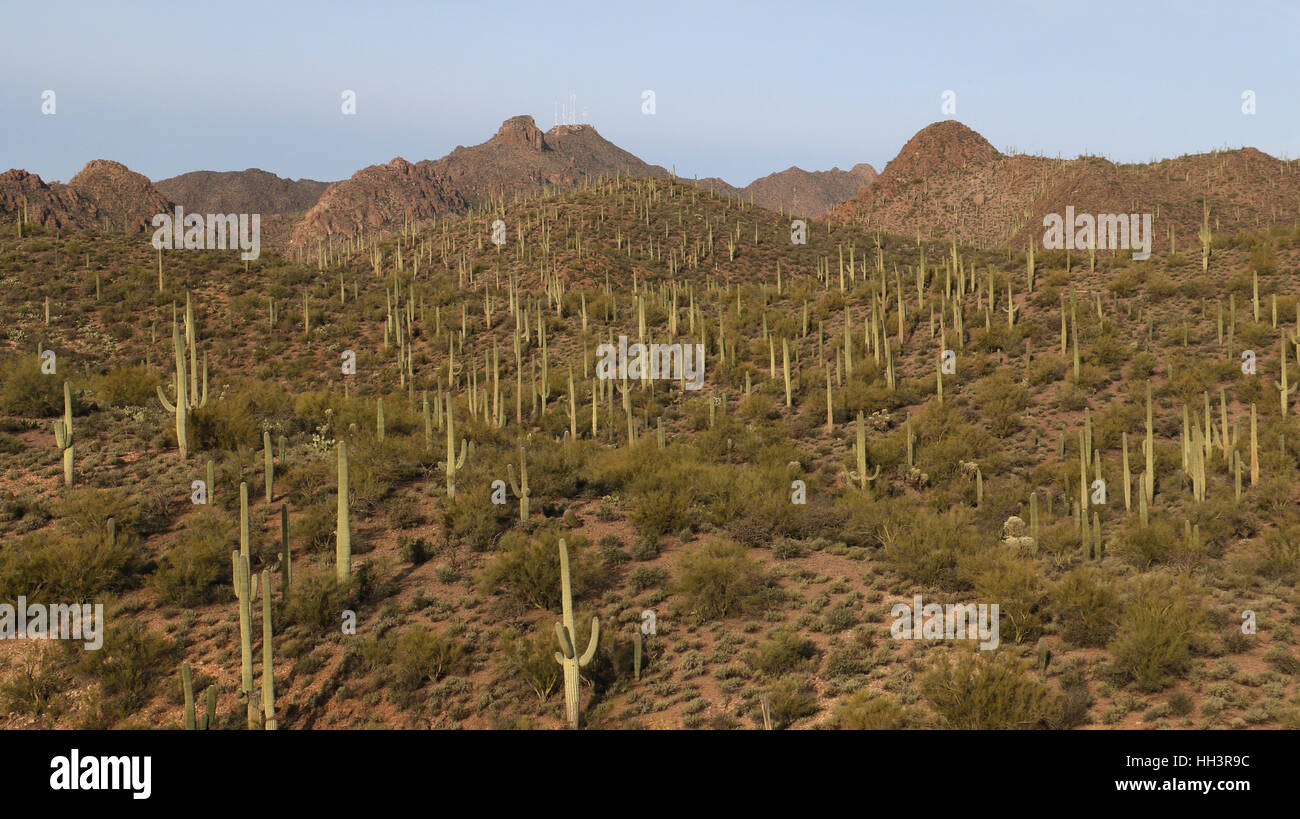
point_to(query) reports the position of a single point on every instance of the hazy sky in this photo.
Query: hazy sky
(741, 89)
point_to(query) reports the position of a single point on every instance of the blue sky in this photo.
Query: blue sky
(742, 89)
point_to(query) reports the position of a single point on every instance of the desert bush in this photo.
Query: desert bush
(785, 652)
(531, 658)
(868, 710)
(647, 577)
(791, 698)
(1146, 546)
(1086, 606)
(529, 569)
(26, 391)
(980, 693)
(129, 386)
(413, 550)
(128, 666)
(1158, 622)
(1014, 585)
(197, 569)
(421, 655)
(720, 579)
(68, 566)
(472, 520)
(925, 546)
(318, 597)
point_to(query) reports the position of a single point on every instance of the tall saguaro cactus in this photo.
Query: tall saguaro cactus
(188, 685)
(860, 451)
(63, 437)
(567, 656)
(343, 543)
(245, 592)
(268, 464)
(268, 664)
(520, 487)
(185, 403)
(453, 462)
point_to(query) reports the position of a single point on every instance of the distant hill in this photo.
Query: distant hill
(102, 194)
(519, 159)
(948, 181)
(250, 191)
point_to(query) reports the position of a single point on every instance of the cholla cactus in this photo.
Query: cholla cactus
(1013, 534)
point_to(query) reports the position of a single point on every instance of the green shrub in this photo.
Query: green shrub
(786, 651)
(868, 710)
(791, 698)
(129, 666)
(413, 550)
(1086, 606)
(1159, 621)
(130, 386)
(26, 391)
(420, 655)
(197, 569)
(532, 659)
(720, 579)
(977, 692)
(529, 570)
(63, 566)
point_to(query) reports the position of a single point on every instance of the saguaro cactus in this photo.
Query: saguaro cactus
(245, 592)
(268, 464)
(860, 450)
(343, 543)
(184, 402)
(286, 557)
(567, 655)
(268, 665)
(63, 437)
(1284, 390)
(453, 462)
(520, 487)
(188, 684)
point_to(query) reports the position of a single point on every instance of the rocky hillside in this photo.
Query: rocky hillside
(125, 199)
(518, 160)
(104, 193)
(949, 181)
